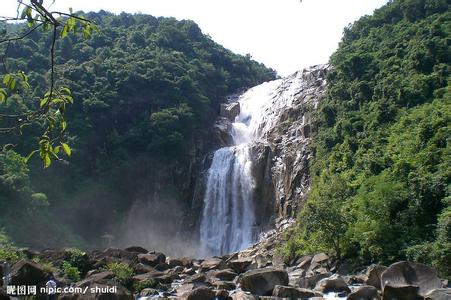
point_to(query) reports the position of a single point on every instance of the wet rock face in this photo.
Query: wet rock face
(230, 110)
(281, 160)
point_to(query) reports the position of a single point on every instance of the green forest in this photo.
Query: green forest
(145, 90)
(381, 173)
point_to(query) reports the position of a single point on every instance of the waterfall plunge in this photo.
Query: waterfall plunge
(228, 214)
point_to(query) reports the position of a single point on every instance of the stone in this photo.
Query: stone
(401, 292)
(411, 274)
(212, 263)
(334, 283)
(201, 293)
(199, 277)
(137, 249)
(439, 294)
(230, 110)
(224, 285)
(311, 281)
(292, 292)
(100, 276)
(28, 273)
(242, 295)
(152, 259)
(240, 265)
(374, 273)
(226, 274)
(320, 258)
(261, 282)
(365, 292)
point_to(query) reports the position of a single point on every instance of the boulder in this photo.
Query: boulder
(199, 277)
(240, 265)
(411, 274)
(262, 281)
(374, 273)
(200, 293)
(226, 274)
(152, 259)
(292, 292)
(28, 273)
(230, 110)
(401, 292)
(212, 263)
(311, 281)
(334, 283)
(439, 294)
(137, 249)
(365, 292)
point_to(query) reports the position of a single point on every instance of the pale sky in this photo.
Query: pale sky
(286, 35)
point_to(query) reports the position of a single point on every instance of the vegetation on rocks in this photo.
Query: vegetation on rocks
(381, 171)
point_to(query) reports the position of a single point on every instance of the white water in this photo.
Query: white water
(228, 214)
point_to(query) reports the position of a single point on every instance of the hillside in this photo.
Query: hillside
(381, 172)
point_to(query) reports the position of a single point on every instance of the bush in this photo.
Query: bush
(70, 271)
(122, 272)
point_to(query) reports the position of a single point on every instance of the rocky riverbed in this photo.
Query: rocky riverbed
(254, 273)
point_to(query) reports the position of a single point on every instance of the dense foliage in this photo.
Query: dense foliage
(381, 172)
(141, 87)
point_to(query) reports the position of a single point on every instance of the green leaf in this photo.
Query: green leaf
(47, 161)
(63, 125)
(66, 149)
(3, 95)
(6, 79)
(44, 102)
(64, 32)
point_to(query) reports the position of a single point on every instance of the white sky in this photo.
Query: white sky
(286, 35)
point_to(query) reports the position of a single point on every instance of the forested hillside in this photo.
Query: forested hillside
(146, 90)
(381, 171)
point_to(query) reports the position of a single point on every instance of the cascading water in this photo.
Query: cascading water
(228, 214)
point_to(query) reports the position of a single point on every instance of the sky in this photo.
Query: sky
(286, 35)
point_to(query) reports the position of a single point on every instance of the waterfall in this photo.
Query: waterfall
(228, 213)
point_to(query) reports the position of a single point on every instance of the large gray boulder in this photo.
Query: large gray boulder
(411, 274)
(261, 282)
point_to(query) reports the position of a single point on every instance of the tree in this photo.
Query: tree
(48, 113)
